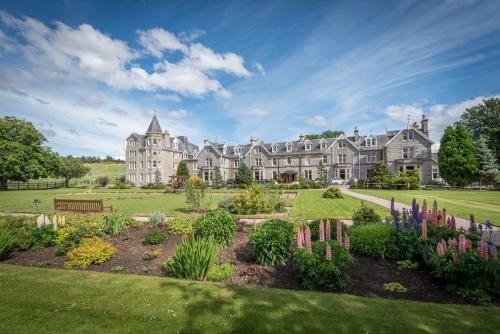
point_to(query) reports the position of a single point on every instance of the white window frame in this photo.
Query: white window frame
(408, 135)
(308, 174)
(410, 152)
(258, 149)
(275, 162)
(208, 162)
(307, 160)
(236, 163)
(342, 144)
(275, 148)
(370, 142)
(258, 162)
(323, 145)
(289, 147)
(308, 145)
(371, 157)
(288, 161)
(324, 159)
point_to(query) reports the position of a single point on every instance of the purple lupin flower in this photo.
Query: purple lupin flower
(473, 226)
(396, 218)
(392, 206)
(405, 219)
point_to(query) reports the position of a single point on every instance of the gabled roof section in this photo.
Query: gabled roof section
(154, 126)
(408, 129)
(342, 136)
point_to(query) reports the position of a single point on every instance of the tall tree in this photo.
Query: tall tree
(182, 169)
(72, 168)
(23, 155)
(322, 174)
(217, 181)
(325, 134)
(379, 173)
(457, 156)
(484, 120)
(488, 168)
(243, 176)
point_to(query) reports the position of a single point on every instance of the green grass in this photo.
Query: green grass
(124, 201)
(65, 301)
(111, 170)
(310, 205)
(483, 204)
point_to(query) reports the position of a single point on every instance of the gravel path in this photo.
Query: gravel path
(461, 222)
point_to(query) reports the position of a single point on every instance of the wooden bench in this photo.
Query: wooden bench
(80, 205)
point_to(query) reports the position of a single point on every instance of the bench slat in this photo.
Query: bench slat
(80, 205)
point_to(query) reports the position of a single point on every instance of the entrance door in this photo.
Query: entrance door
(342, 173)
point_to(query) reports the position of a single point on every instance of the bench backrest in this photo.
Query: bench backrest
(78, 205)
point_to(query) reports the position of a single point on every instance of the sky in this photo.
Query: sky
(89, 73)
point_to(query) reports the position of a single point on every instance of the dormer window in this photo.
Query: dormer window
(289, 147)
(258, 149)
(184, 155)
(370, 141)
(323, 145)
(175, 143)
(408, 135)
(275, 148)
(308, 145)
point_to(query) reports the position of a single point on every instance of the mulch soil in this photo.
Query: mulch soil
(367, 276)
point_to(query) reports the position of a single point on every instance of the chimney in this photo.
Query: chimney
(166, 137)
(253, 140)
(356, 134)
(301, 137)
(424, 125)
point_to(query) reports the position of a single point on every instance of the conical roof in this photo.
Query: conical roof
(154, 126)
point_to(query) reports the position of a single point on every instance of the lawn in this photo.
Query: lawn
(66, 301)
(483, 204)
(310, 205)
(111, 170)
(125, 201)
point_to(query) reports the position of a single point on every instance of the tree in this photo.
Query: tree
(484, 120)
(457, 156)
(379, 173)
(325, 134)
(217, 181)
(243, 176)
(70, 168)
(22, 154)
(323, 175)
(182, 169)
(488, 168)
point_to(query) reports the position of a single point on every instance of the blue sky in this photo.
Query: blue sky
(89, 73)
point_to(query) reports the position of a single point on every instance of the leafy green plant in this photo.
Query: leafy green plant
(181, 226)
(365, 215)
(374, 240)
(193, 258)
(220, 272)
(7, 241)
(115, 222)
(156, 218)
(41, 237)
(315, 270)
(272, 241)
(43, 263)
(145, 270)
(154, 237)
(118, 269)
(91, 251)
(395, 287)
(217, 224)
(332, 192)
(256, 199)
(152, 254)
(407, 264)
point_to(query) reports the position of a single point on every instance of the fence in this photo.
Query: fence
(35, 185)
(409, 186)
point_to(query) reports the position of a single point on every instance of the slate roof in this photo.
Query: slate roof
(154, 126)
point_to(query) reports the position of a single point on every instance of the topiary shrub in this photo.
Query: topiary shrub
(365, 215)
(220, 272)
(154, 237)
(193, 258)
(219, 225)
(271, 242)
(91, 251)
(332, 192)
(375, 240)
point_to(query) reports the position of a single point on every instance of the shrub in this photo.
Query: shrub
(271, 242)
(102, 181)
(373, 239)
(154, 237)
(365, 215)
(20, 228)
(115, 222)
(332, 192)
(91, 251)
(256, 199)
(151, 255)
(217, 224)
(156, 218)
(7, 240)
(181, 226)
(315, 270)
(193, 258)
(395, 287)
(41, 237)
(221, 272)
(118, 269)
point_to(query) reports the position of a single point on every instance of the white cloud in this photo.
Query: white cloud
(257, 112)
(259, 68)
(316, 121)
(188, 37)
(401, 112)
(181, 113)
(167, 97)
(158, 40)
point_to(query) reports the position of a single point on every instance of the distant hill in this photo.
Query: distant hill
(112, 170)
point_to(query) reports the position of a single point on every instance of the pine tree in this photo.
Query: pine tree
(488, 169)
(182, 169)
(322, 174)
(217, 181)
(243, 176)
(457, 156)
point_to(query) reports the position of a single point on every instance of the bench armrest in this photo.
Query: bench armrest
(109, 208)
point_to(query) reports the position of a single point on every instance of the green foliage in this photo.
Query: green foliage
(182, 169)
(457, 156)
(484, 120)
(407, 264)
(243, 176)
(323, 174)
(102, 181)
(181, 226)
(42, 237)
(373, 239)
(379, 173)
(220, 225)
(365, 215)
(395, 287)
(77, 228)
(271, 242)
(154, 237)
(488, 168)
(332, 192)
(221, 272)
(115, 222)
(217, 181)
(72, 168)
(256, 199)
(152, 254)
(91, 251)
(156, 218)
(193, 258)
(43, 264)
(315, 270)
(409, 179)
(195, 193)
(325, 134)
(314, 227)
(20, 228)
(118, 269)
(7, 240)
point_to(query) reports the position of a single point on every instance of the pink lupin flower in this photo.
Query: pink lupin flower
(440, 249)
(321, 231)
(300, 235)
(493, 251)
(328, 252)
(347, 243)
(452, 243)
(424, 230)
(308, 240)
(483, 250)
(455, 257)
(453, 226)
(339, 232)
(468, 244)
(444, 216)
(462, 244)
(327, 230)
